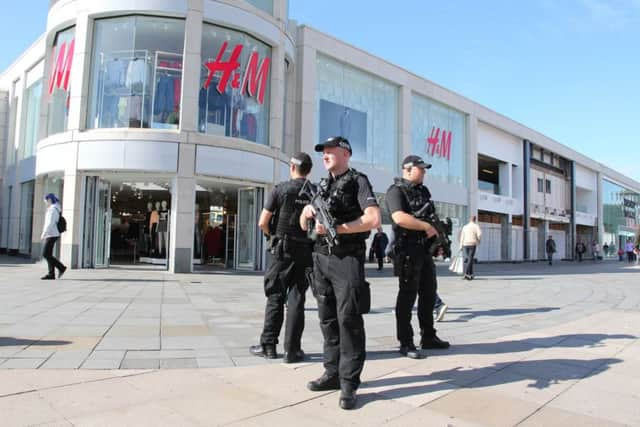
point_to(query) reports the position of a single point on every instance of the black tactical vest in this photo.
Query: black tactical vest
(291, 205)
(416, 195)
(342, 199)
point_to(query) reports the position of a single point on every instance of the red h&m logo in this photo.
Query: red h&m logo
(255, 74)
(61, 68)
(439, 145)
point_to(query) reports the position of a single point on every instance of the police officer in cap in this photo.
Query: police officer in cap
(285, 279)
(338, 271)
(412, 261)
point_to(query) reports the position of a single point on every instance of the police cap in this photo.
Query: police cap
(302, 160)
(335, 141)
(415, 161)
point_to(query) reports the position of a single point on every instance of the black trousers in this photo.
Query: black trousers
(338, 285)
(47, 253)
(417, 274)
(469, 254)
(285, 280)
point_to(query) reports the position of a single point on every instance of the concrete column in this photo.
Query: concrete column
(276, 107)
(505, 173)
(404, 121)
(305, 120)
(472, 162)
(4, 127)
(526, 217)
(38, 218)
(183, 191)
(192, 63)
(506, 237)
(572, 224)
(72, 202)
(600, 208)
(15, 138)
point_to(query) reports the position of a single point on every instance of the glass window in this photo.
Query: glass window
(136, 76)
(13, 116)
(59, 81)
(548, 182)
(621, 214)
(26, 216)
(540, 185)
(234, 85)
(438, 133)
(31, 118)
(266, 5)
(360, 107)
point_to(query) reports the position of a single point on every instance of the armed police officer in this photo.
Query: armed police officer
(286, 277)
(413, 262)
(338, 267)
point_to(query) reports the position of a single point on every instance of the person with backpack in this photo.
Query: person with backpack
(551, 249)
(54, 224)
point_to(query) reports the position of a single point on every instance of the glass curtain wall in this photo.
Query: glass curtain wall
(621, 214)
(26, 216)
(438, 134)
(60, 81)
(266, 5)
(136, 74)
(31, 118)
(234, 85)
(361, 108)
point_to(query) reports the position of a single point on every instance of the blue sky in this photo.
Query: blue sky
(567, 68)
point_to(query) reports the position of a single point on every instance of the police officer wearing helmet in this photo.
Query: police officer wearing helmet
(285, 279)
(339, 284)
(412, 261)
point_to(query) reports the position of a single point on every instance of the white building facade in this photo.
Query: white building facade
(162, 125)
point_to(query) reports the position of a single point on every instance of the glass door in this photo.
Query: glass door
(103, 224)
(247, 256)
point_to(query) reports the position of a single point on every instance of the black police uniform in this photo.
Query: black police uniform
(413, 264)
(339, 283)
(285, 278)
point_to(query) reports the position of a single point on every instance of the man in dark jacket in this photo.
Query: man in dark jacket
(551, 249)
(379, 245)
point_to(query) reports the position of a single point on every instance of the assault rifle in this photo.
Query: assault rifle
(323, 216)
(428, 214)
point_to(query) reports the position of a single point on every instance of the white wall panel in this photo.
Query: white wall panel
(498, 144)
(227, 162)
(586, 178)
(54, 158)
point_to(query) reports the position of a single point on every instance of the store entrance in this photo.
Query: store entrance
(226, 234)
(126, 222)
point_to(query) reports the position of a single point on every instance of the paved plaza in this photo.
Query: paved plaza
(532, 345)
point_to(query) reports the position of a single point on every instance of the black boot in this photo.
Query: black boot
(410, 351)
(324, 383)
(48, 277)
(434, 343)
(293, 357)
(268, 351)
(348, 397)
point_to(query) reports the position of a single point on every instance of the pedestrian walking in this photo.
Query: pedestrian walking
(550, 248)
(338, 269)
(580, 250)
(595, 248)
(469, 239)
(628, 248)
(413, 262)
(50, 235)
(379, 245)
(285, 279)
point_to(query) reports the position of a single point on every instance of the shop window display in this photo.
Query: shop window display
(234, 91)
(361, 108)
(60, 81)
(136, 73)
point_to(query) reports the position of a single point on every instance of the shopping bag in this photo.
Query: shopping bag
(456, 265)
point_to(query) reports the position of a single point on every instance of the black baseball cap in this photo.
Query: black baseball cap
(301, 159)
(335, 141)
(415, 161)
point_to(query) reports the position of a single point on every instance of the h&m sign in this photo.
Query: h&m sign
(254, 80)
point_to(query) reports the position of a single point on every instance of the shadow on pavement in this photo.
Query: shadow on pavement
(470, 314)
(515, 346)
(11, 341)
(540, 373)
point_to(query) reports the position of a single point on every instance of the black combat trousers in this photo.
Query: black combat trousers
(47, 253)
(338, 286)
(285, 280)
(417, 273)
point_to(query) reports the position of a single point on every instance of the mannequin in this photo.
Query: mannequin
(197, 238)
(154, 218)
(163, 229)
(146, 236)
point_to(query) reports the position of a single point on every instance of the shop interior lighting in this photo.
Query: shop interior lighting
(490, 172)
